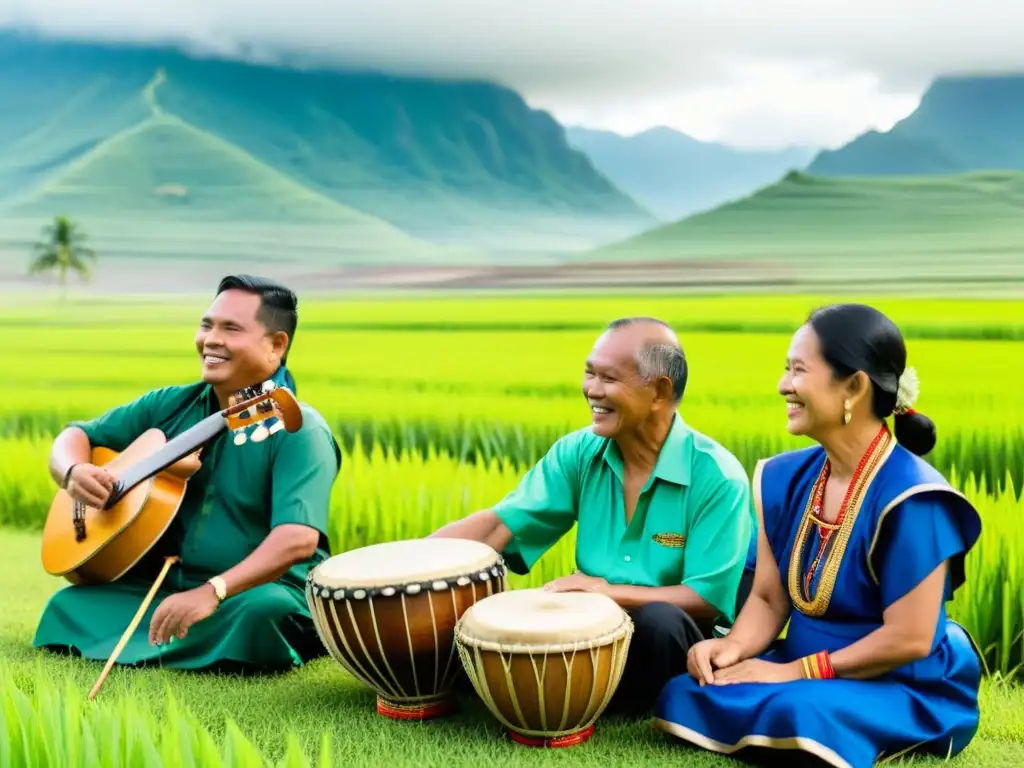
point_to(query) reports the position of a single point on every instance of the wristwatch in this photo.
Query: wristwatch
(219, 587)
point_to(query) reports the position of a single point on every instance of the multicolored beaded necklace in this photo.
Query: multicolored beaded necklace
(813, 516)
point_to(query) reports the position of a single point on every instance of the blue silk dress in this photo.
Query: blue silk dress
(908, 520)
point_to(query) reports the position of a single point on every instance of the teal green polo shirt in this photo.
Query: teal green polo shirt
(692, 525)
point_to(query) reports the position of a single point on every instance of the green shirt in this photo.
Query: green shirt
(692, 525)
(241, 492)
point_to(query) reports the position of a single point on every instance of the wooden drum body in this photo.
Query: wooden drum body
(545, 663)
(387, 614)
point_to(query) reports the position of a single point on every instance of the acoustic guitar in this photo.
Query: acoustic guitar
(87, 545)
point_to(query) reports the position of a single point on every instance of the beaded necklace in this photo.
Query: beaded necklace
(813, 516)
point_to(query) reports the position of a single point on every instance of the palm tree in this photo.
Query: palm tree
(63, 248)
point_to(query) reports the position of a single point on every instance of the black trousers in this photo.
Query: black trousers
(662, 636)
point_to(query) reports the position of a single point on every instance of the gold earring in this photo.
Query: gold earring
(847, 415)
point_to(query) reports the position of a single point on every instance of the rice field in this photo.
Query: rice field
(441, 404)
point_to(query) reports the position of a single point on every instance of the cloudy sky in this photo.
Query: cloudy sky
(746, 72)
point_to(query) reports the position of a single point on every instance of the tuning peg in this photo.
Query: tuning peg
(261, 432)
(240, 437)
(245, 393)
(269, 386)
(277, 426)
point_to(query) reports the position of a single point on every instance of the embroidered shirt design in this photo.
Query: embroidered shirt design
(670, 539)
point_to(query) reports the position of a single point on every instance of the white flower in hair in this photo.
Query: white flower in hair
(907, 391)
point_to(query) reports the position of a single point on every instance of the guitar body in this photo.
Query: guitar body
(118, 537)
(86, 545)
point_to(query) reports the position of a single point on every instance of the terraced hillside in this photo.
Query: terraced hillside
(463, 162)
(957, 227)
(163, 170)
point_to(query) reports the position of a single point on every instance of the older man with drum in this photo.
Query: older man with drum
(665, 514)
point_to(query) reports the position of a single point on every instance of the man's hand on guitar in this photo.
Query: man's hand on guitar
(177, 613)
(90, 485)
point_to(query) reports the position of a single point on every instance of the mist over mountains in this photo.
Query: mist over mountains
(674, 175)
(197, 156)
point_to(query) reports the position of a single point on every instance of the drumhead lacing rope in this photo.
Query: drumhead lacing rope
(327, 603)
(471, 652)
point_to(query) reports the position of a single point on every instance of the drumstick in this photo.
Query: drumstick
(168, 562)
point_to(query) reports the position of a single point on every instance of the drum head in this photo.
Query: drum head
(536, 617)
(395, 563)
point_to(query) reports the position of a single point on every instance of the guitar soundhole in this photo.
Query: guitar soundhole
(79, 520)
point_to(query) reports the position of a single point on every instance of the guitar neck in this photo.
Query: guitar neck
(176, 449)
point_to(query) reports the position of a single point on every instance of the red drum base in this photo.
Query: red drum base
(426, 711)
(569, 740)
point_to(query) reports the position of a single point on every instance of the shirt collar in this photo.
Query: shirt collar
(674, 458)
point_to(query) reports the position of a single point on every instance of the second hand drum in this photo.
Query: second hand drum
(387, 614)
(546, 664)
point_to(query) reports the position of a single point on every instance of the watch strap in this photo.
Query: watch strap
(220, 588)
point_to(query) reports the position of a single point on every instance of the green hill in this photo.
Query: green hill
(140, 207)
(962, 124)
(450, 162)
(164, 167)
(933, 225)
(162, 185)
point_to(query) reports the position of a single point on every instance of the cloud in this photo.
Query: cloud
(798, 69)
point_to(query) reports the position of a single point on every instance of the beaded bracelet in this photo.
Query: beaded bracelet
(817, 666)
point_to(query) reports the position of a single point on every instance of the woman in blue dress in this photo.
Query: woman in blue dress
(860, 545)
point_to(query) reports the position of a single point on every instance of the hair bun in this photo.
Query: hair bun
(915, 432)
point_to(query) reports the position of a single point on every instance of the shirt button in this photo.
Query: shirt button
(626, 558)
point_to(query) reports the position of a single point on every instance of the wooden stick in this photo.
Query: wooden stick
(168, 562)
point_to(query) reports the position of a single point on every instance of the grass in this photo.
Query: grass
(441, 405)
(940, 318)
(321, 699)
(426, 374)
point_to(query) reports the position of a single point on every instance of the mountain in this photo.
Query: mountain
(918, 228)
(962, 124)
(119, 133)
(674, 175)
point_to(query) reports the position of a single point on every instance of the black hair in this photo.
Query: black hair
(656, 359)
(279, 307)
(857, 337)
